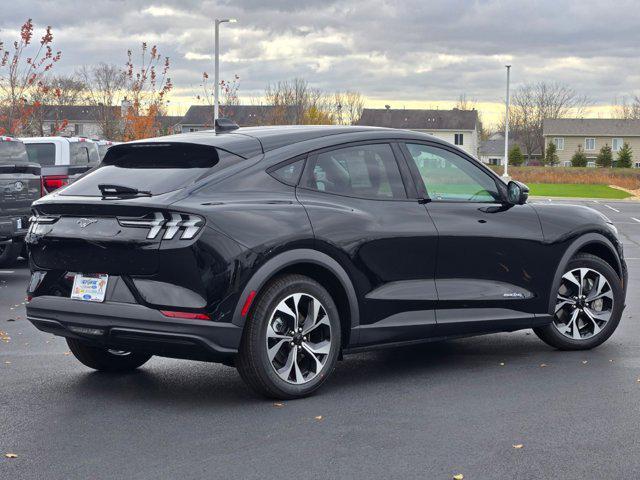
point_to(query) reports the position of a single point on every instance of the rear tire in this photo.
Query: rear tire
(583, 332)
(287, 356)
(102, 359)
(9, 253)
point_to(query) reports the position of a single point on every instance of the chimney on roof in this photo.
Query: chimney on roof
(125, 105)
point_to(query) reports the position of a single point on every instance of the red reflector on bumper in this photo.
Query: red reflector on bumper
(186, 315)
(247, 303)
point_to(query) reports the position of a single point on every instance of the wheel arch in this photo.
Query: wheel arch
(314, 264)
(593, 243)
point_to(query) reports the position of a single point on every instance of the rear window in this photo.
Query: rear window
(157, 168)
(43, 154)
(12, 152)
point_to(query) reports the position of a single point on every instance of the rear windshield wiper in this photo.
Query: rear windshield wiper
(109, 190)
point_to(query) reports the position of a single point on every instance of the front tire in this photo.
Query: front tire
(291, 340)
(588, 307)
(104, 359)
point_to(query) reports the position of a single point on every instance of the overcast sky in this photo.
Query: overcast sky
(405, 53)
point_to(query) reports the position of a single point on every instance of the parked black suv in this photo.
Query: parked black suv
(277, 249)
(19, 187)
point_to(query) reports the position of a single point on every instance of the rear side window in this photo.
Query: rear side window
(12, 152)
(366, 171)
(290, 173)
(79, 153)
(154, 168)
(42, 153)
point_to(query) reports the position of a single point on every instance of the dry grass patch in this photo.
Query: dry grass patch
(627, 178)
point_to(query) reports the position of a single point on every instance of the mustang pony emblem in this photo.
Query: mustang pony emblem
(85, 222)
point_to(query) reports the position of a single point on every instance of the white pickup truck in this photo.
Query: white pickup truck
(62, 159)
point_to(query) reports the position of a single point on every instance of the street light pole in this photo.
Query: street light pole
(506, 130)
(216, 67)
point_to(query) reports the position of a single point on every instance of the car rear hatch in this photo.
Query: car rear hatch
(114, 219)
(19, 186)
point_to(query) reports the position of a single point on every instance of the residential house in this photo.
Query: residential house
(591, 134)
(491, 151)
(84, 120)
(78, 120)
(200, 117)
(459, 127)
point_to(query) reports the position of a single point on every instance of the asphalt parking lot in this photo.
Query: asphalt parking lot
(431, 411)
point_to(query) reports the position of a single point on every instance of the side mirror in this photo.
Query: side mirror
(517, 193)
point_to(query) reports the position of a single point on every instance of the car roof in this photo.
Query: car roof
(251, 141)
(55, 139)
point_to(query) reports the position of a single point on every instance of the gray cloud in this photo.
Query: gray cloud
(426, 51)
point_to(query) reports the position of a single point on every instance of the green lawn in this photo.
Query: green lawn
(575, 190)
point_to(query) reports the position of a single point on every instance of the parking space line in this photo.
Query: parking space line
(611, 208)
(634, 218)
(7, 271)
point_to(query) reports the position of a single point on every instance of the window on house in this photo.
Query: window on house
(637, 164)
(559, 143)
(566, 163)
(589, 143)
(616, 144)
(459, 138)
(591, 164)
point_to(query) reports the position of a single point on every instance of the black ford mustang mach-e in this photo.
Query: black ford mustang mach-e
(277, 249)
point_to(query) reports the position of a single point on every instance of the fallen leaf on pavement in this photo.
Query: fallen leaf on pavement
(67, 353)
(584, 362)
(542, 365)
(458, 476)
(319, 417)
(278, 405)
(11, 455)
(518, 446)
(7, 362)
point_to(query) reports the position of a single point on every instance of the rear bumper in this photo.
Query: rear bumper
(134, 327)
(9, 228)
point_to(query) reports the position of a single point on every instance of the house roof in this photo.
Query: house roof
(75, 113)
(495, 147)
(605, 127)
(420, 119)
(243, 115)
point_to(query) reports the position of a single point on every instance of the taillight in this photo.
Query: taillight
(173, 223)
(185, 315)
(49, 183)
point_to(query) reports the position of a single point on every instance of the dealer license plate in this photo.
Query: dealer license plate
(89, 287)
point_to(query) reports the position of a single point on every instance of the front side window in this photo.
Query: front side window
(365, 171)
(450, 177)
(589, 143)
(559, 142)
(616, 144)
(459, 139)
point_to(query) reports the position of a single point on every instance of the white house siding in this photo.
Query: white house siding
(470, 138)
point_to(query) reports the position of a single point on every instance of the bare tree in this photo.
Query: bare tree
(533, 103)
(347, 106)
(54, 92)
(627, 109)
(105, 86)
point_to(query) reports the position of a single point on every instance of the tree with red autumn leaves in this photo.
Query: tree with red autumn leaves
(23, 66)
(147, 88)
(228, 93)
